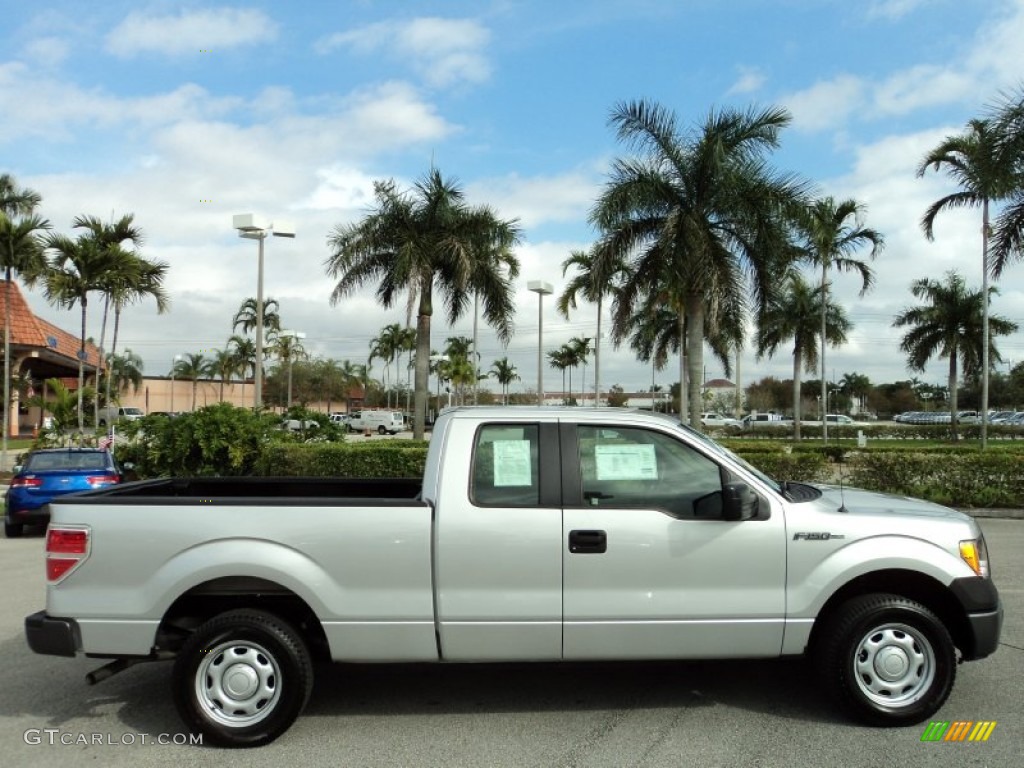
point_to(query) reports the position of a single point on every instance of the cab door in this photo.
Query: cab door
(651, 568)
(497, 543)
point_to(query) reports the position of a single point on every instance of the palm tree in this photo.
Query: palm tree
(288, 348)
(986, 173)
(949, 325)
(1007, 239)
(794, 314)
(243, 349)
(505, 373)
(386, 347)
(77, 268)
(832, 233)
(694, 218)
(590, 284)
(125, 370)
(423, 241)
(21, 251)
(580, 347)
(559, 360)
(192, 366)
(110, 237)
(143, 280)
(246, 316)
(223, 364)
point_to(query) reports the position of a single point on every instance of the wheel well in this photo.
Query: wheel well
(912, 585)
(206, 600)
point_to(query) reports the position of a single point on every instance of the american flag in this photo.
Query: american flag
(107, 441)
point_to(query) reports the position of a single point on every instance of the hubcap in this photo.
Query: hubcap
(894, 665)
(238, 683)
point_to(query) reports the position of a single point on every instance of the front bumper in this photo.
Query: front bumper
(51, 636)
(984, 610)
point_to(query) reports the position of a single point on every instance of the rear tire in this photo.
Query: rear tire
(242, 679)
(13, 530)
(382, 430)
(887, 660)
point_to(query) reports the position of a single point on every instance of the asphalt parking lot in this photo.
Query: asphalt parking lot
(752, 713)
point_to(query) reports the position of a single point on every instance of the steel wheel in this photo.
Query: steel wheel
(894, 664)
(888, 660)
(237, 683)
(242, 678)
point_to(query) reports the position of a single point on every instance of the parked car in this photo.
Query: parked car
(297, 425)
(114, 413)
(50, 472)
(839, 419)
(765, 419)
(341, 419)
(720, 421)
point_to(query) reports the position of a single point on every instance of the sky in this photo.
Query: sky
(184, 114)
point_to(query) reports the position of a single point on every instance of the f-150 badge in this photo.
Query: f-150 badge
(818, 536)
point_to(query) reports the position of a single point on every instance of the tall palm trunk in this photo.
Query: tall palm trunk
(824, 383)
(984, 324)
(797, 368)
(953, 409)
(81, 371)
(426, 310)
(597, 355)
(100, 362)
(684, 391)
(695, 353)
(7, 359)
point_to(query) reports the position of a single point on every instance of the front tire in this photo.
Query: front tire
(888, 660)
(242, 679)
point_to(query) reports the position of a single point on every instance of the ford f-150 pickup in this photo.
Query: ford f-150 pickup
(536, 534)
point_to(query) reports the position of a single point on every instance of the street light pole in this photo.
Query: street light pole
(542, 289)
(254, 227)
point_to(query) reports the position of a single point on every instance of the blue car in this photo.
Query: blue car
(50, 472)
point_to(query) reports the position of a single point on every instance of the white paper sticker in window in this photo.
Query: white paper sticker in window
(626, 462)
(512, 467)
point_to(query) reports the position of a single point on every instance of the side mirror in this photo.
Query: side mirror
(738, 502)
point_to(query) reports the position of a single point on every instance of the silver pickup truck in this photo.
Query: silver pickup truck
(536, 534)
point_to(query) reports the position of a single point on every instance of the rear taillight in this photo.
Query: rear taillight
(67, 547)
(96, 481)
(26, 482)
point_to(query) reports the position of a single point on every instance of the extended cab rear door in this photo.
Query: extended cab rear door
(649, 571)
(497, 541)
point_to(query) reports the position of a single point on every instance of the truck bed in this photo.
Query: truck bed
(248, 490)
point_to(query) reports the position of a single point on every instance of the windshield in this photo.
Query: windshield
(722, 451)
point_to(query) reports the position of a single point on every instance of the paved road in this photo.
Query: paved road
(665, 714)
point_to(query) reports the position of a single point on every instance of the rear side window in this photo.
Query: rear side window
(506, 466)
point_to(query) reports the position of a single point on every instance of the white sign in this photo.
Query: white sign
(626, 462)
(512, 463)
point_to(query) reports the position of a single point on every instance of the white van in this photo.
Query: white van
(115, 413)
(381, 422)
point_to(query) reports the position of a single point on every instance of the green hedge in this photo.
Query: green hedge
(961, 479)
(403, 458)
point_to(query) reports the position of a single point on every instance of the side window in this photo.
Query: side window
(506, 466)
(626, 467)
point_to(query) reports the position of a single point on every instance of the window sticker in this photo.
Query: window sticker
(512, 463)
(625, 462)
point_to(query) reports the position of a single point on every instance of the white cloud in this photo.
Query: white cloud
(442, 51)
(48, 51)
(538, 200)
(211, 29)
(827, 103)
(750, 80)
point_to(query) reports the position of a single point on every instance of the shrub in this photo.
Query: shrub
(403, 458)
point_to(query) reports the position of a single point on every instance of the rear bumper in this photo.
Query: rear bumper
(52, 636)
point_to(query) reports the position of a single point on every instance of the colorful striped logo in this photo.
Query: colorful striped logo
(959, 730)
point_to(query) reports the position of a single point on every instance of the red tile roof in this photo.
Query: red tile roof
(30, 331)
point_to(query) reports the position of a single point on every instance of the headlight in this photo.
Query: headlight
(975, 553)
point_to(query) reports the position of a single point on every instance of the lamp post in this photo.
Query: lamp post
(542, 289)
(253, 227)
